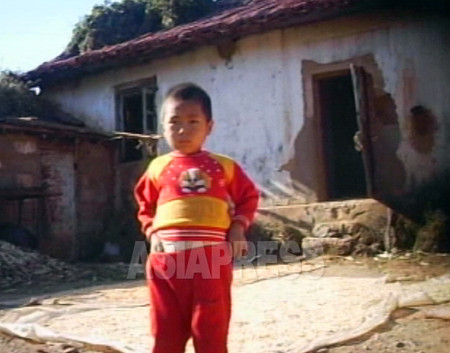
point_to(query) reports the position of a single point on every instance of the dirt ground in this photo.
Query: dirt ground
(407, 330)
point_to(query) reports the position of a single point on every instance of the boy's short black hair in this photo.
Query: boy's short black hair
(191, 92)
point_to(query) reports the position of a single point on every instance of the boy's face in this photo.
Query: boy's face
(185, 125)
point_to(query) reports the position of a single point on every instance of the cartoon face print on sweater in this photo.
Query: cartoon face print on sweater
(194, 180)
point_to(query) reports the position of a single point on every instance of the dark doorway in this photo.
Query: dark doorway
(344, 164)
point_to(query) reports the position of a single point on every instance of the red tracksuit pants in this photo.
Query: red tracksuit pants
(190, 296)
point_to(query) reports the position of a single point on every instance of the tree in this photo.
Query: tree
(18, 100)
(112, 23)
(116, 22)
(176, 12)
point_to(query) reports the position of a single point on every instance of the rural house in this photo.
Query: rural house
(318, 99)
(56, 185)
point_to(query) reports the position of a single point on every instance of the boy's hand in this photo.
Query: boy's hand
(237, 239)
(156, 244)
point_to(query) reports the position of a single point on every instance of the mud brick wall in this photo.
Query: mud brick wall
(59, 188)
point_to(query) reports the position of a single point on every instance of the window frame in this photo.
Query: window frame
(145, 87)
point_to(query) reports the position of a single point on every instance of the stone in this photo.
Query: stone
(400, 345)
(20, 266)
(332, 246)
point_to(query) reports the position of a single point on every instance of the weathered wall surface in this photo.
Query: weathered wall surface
(59, 189)
(259, 94)
(58, 174)
(94, 195)
(19, 162)
(19, 168)
(29, 162)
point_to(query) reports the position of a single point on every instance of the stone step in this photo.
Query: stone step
(339, 227)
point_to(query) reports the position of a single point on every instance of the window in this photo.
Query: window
(136, 113)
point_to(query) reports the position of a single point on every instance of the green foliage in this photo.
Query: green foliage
(117, 22)
(176, 12)
(113, 23)
(17, 100)
(15, 97)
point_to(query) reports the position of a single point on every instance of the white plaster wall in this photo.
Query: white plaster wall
(258, 96)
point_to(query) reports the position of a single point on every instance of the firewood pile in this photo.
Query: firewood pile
(20, 266)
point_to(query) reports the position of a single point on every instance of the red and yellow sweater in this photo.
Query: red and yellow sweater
(194, 197)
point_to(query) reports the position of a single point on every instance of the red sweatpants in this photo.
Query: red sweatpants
(190, 296)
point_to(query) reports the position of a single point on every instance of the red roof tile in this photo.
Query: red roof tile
(256, 17)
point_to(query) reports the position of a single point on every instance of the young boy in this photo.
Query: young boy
(192, 205)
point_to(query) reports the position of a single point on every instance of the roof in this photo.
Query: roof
(35, 125)
(55, 115)
(256, 17)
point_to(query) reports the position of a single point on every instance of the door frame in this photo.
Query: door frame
(312, 72)
(364, 99)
